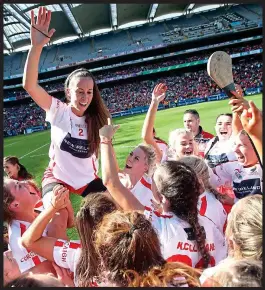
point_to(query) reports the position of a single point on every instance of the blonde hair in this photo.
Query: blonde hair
(174, 274)
(173, 136)
(238, 273)
(202, 171)
(150, 157)
(244, 226)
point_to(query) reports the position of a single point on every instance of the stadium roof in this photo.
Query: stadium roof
(81, 20)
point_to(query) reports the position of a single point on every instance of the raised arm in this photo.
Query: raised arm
(40, 35)
(32, 239)
(251, 120)
(120, 193)
(238, 104)
(158, 95)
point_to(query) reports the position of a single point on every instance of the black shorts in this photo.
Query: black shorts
(94, 186)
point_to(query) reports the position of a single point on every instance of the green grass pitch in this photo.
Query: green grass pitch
(33, 149)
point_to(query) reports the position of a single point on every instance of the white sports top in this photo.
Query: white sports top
(26, 259)
(178, 243)
(221, 152)
(69, 149)
(142, 190)
(244, 180)
(66, 254)
(212, 208)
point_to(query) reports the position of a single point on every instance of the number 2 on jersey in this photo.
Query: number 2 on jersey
(81, 132)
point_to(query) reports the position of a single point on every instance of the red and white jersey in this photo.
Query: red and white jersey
(221, 152)
(212, 208)
(69, 148)
(142, 190)
(178, 242)
(26, 259)
(66, 254)
(244, 180)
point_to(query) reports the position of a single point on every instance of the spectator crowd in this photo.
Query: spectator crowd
(121, 97)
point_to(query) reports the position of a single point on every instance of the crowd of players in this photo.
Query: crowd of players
(159, 221)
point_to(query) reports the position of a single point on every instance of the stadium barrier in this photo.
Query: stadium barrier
(144, 109)
(37, 128)
(34, 129)
(217, 97)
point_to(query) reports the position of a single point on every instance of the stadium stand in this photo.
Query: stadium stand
(131, 93)
(183, 190)
(136, 94)
(171, 31)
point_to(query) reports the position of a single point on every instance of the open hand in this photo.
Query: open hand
(42, 24)
(159, 92)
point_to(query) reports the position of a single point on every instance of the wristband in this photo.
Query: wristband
(106, 142)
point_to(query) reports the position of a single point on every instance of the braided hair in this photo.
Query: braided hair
(179, 184)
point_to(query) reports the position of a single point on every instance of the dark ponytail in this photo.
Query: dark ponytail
(22, 172)
(179, 184)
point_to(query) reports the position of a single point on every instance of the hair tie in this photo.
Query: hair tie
(40, 31)
(131, 231)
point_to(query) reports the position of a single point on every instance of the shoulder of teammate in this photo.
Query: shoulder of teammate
(207, 135)
(56, 112)
(157, 219)
(206, 276)
(214, 235)
(66, 253)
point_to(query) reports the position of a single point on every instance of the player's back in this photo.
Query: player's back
(212, 208)
(178, 239)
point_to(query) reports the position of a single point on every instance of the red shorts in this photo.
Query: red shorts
(49, 182)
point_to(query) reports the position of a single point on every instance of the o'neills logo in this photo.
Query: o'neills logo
(192, 248)
(30, 255)
(64, 251)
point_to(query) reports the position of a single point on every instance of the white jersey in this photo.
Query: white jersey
(39, 206)
(221, 152)
(212, 208)
(206, 276)
(143, 190)
(244, 180)
(66, 254)
(178, 242)
(25, 259)
(69, 148)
